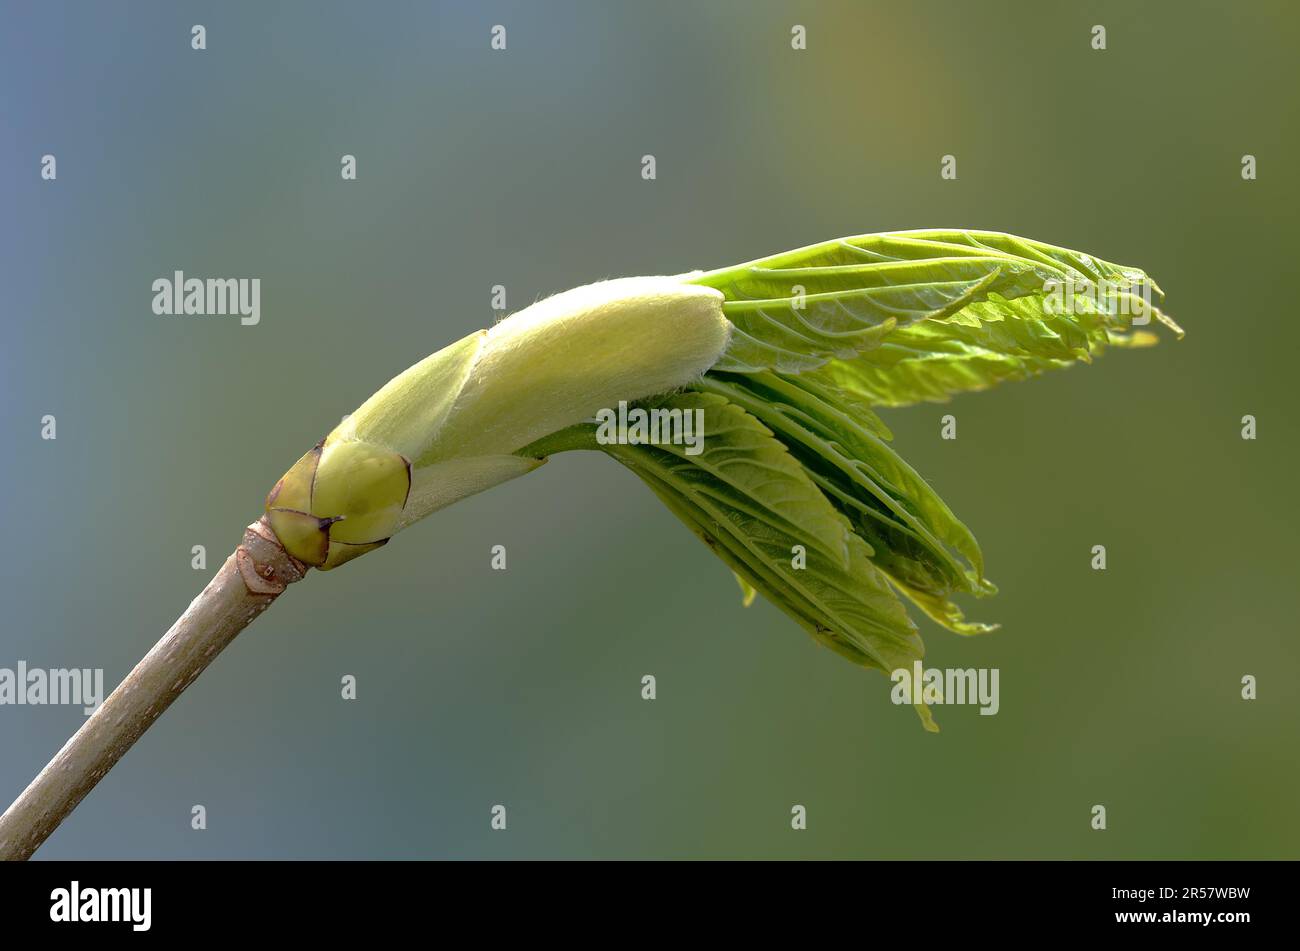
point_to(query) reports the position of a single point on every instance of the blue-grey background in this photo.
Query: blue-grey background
(522, 168)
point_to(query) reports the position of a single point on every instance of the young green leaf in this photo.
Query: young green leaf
(755, 506)
(850, 298)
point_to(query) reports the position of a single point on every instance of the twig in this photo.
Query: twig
(251, 578)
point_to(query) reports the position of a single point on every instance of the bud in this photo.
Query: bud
(447, 427)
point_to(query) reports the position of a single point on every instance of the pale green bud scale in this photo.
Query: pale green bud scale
(447, 427)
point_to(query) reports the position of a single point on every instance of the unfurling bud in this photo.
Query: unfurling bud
(447, 427)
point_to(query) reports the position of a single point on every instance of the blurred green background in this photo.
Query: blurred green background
(522, 168)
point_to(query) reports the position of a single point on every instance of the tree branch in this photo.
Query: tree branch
(245, 586)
